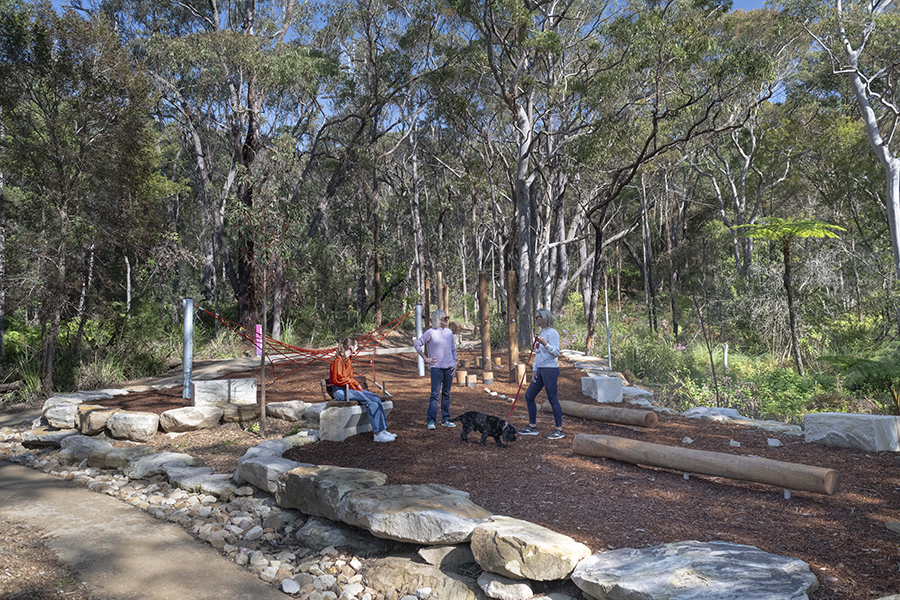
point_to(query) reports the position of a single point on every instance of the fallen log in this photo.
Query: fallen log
(622, 416)
(789, 476)
(10, 387)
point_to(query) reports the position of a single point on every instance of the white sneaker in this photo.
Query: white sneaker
(393, 435)
(384, 436)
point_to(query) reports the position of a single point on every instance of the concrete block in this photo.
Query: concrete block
(337, 423)
(875, 433)
(602, 389)
(224, 391)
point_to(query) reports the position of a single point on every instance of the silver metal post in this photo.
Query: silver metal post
(187, 359)
(421, 361)
(608, 346)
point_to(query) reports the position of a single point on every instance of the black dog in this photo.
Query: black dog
(488, 425)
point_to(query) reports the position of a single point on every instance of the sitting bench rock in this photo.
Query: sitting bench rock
(341, 419)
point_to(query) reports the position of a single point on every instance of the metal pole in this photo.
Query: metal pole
(187, 358)
(421, 361)
(606, 302)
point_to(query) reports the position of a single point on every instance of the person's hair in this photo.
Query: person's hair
(545, 314)
(436, 317)
(346, 345)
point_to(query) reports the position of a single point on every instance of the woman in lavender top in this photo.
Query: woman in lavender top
(441, 360)
(545, 375)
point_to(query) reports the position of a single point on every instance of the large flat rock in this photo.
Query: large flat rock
(419, 514)
(874, 433)
(521, 550)
(694, 571)
(318, 490)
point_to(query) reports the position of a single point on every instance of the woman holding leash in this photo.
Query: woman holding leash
(342, 375)
(545, 375)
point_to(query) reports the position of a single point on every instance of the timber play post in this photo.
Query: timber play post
(512, 312)
(485, 322)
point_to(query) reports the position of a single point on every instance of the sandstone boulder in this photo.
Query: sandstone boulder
(503, 588)
(420, 514)
(264, 472)
(240, 413)
(320, 533)
(117, 458)
(447, 557)
(873, 433)
(76, 448)
(134, 426)
(288, 411)
(156, 464)
(319, 490)
(521, 550)
(62, 416)
(92, 418)
(694, 571)
(190, 418)
(396, 573)
(43, 437)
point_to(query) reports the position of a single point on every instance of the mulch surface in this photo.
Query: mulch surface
(607, 504)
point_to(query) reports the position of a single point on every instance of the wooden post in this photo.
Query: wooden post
(622, 416)
(746, 468)
(440, 291)
(445, 298)
(512, 325)
(519, 373)
(483, 317)
(426, 318)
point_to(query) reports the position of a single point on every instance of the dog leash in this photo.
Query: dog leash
(513, 407)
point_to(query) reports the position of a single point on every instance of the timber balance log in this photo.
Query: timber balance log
(760, 470)
(621, 416)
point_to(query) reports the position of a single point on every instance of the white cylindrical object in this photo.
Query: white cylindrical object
(187, 359)
(421, 361)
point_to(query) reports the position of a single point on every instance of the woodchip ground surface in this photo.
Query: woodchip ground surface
(602, 503)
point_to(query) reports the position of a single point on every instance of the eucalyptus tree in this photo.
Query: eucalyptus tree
(77, 148)
(677, 76)
(532, 53)
(232, 76)
(861, 40)
(744, 171)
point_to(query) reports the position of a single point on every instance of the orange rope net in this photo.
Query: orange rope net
(299, 357)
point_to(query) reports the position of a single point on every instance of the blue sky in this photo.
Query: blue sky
(747, 4)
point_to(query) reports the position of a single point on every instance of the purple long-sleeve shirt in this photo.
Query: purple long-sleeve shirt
(441, 345)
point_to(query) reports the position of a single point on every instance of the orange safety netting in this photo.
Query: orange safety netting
(299, 357)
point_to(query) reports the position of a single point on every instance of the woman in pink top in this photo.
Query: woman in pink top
(441, 360)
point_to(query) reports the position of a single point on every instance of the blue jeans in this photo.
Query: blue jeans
(440, 384)
(372, 403)
(544, 378)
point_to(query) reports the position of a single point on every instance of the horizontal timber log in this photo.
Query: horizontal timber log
(622, 416)
(790, 476)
